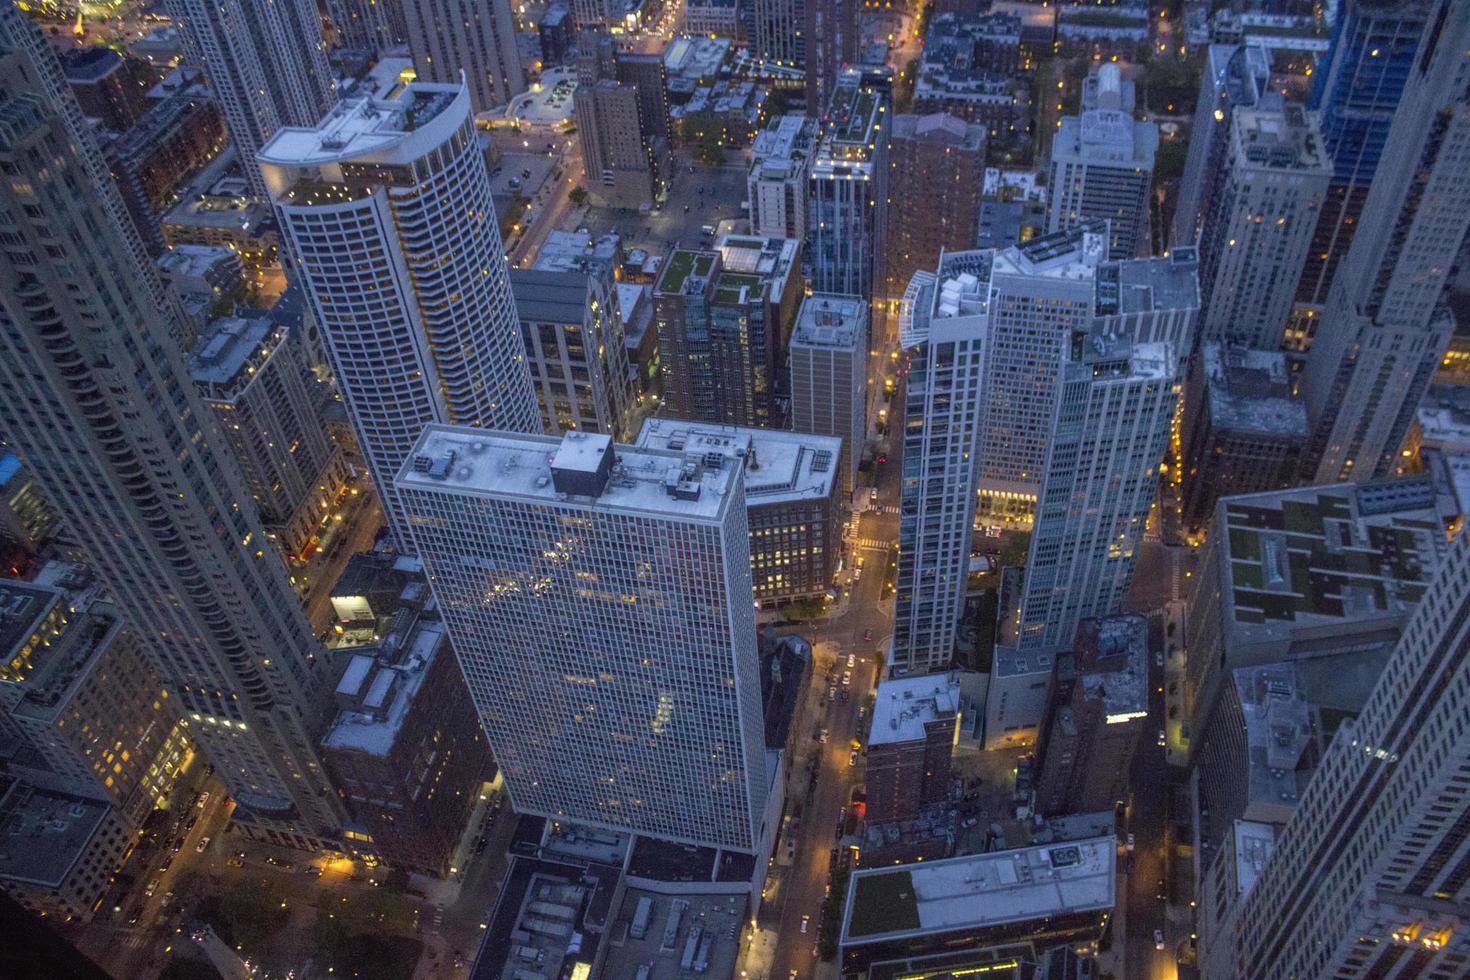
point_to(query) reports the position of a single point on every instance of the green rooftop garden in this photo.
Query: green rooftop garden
(883, 903)
(680, 265)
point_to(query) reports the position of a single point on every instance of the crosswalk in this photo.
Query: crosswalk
(889, 509)
(874, 543)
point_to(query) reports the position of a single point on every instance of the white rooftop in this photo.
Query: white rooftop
(830, 320)
(905, 705)
(1254, 843)
(584, 455)
(364, 732)
(368, 127)
(780, 467)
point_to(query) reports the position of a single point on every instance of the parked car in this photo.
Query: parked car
(1158, 939)
(203, 843)
(852, 758)
(202, 801)
(235, 863)
(868, 635)
(1130, 843)
(852, 660)
(152, 887)
(822, 736)
(846, 678)
(805, 921)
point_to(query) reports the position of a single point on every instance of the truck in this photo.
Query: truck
(641, 915)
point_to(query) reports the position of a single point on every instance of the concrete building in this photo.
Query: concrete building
(462, 42)
(724, 319)
(118, 438)
(252, 377)
(81, 709)
(1244, 429)
(1385, 329)
(847, 188)
(827, 365)
(405, 747)
(1259, 224)
(109, 88)
(969, 70)
(266, 63)
(1328, 902)
(1306, 574)
(910, 743)
(1229, 879)
(780, 161)
(430, 333)
(58, 851)
(922, 915)
(367, 25)
(588, 561)
(219, 211)
(618, 124)
(27, 520)
(1102, 165)
(1097, 709)
(791, 499)
(946, 158)
(574, 345)
(828, 42)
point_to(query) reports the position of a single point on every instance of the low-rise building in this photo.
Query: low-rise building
(791, 498)
(968, 70)
(910, 743)
(58, 851)
(224, 214)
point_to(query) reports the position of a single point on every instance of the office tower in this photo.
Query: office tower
(28, 522)
(910, 745)
(369, 26)
(1258, 224)
(791, 499)
(946, 158)
(618, 152)
(1234, 75)
(780, 160)
(1369, 876)
(266, 64)
(724, 318)
(828, 45)
(847, 190)
(98, 404)
(1115, 405)
(574, 344)
(81, 709)
(1244, 429)
(1384, 328)
(428, 331)
(466, 42)
(1102, 163)
(1326, 575)
(776, 32)
(253, 379)
(1356, 89)
(1097, 708)
(567, 590)
(828, 369)
(405, 746)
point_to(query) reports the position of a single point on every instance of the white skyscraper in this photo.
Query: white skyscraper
(475, 37)
(95, 398)
(385, 205)
(599, 599)
(1385, 326)
(828, 370)
(1102, 164)
(266, 64)
(1259, 224)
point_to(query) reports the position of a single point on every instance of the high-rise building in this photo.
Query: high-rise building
(1384, 328)
(580, 580)
(776, 31)
(780, 160)
(945, 157)
(574, 344)
(252, 377)
(724, 319)
(1097, 708)
(427, 331)
(27, 520)
(266, 64)
(369, 26)
(109, 87)
(828, 44)
(911, 745)
(1102, 164)
(847, 190)
(1234, 75)
(828, 371)
(1243, 429)
(97, 402)
(1258, 224)
(1371, 875)
(616, 127)
(466, 42)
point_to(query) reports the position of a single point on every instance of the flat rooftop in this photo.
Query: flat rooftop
(786, 138)
(511, 466)
(1278, 728)
(904, 705)
(1250, 391)
(980, 890)
(1123, 690)
(364, 126)
(1148, 285)
(43, 833)
(831, 320)
(543, 296)
(1254, 843)
(779, 466)
(712, 924)
(1285, 138)
(22, 607)
(385, 693)
(227, 346)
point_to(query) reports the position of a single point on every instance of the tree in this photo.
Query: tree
(578, 195)
(711, 150)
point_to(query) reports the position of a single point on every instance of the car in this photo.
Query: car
(822, 736)
(846, 678)
(1130, 843)
(1158, 939)
(862, 710)
(686, 209)
(868, 635)
(1159, 659)
(793, 972)
(852, 758)
(203, 843)
(1162, 895)
(177, 845)
(202, 801)
(852, 660)
(235, 863)
(842, 695)
(314, 871)
(831, 694)
(152, 887)
(166, 863)
(805, 921)
(1163, 739)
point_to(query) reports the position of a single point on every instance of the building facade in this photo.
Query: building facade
(828, 359)
(458, 42)
(945, 157)
(847, 189)
(910, 746)
(615, 129)
(780, 160)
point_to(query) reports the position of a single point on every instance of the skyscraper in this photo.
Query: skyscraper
(847, 190)
(473, 41)
(266, 63)
(599, 599)
(828, 370)
(1259, 223)
(1385, 328)
(97, 402)
(616, 128)
(385, 205)
(1102, 163)
(1371, 875)
(827, 43)
(371, 26)
(780, 159)
(937, 164)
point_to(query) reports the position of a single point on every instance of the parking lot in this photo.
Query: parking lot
(698, 196)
